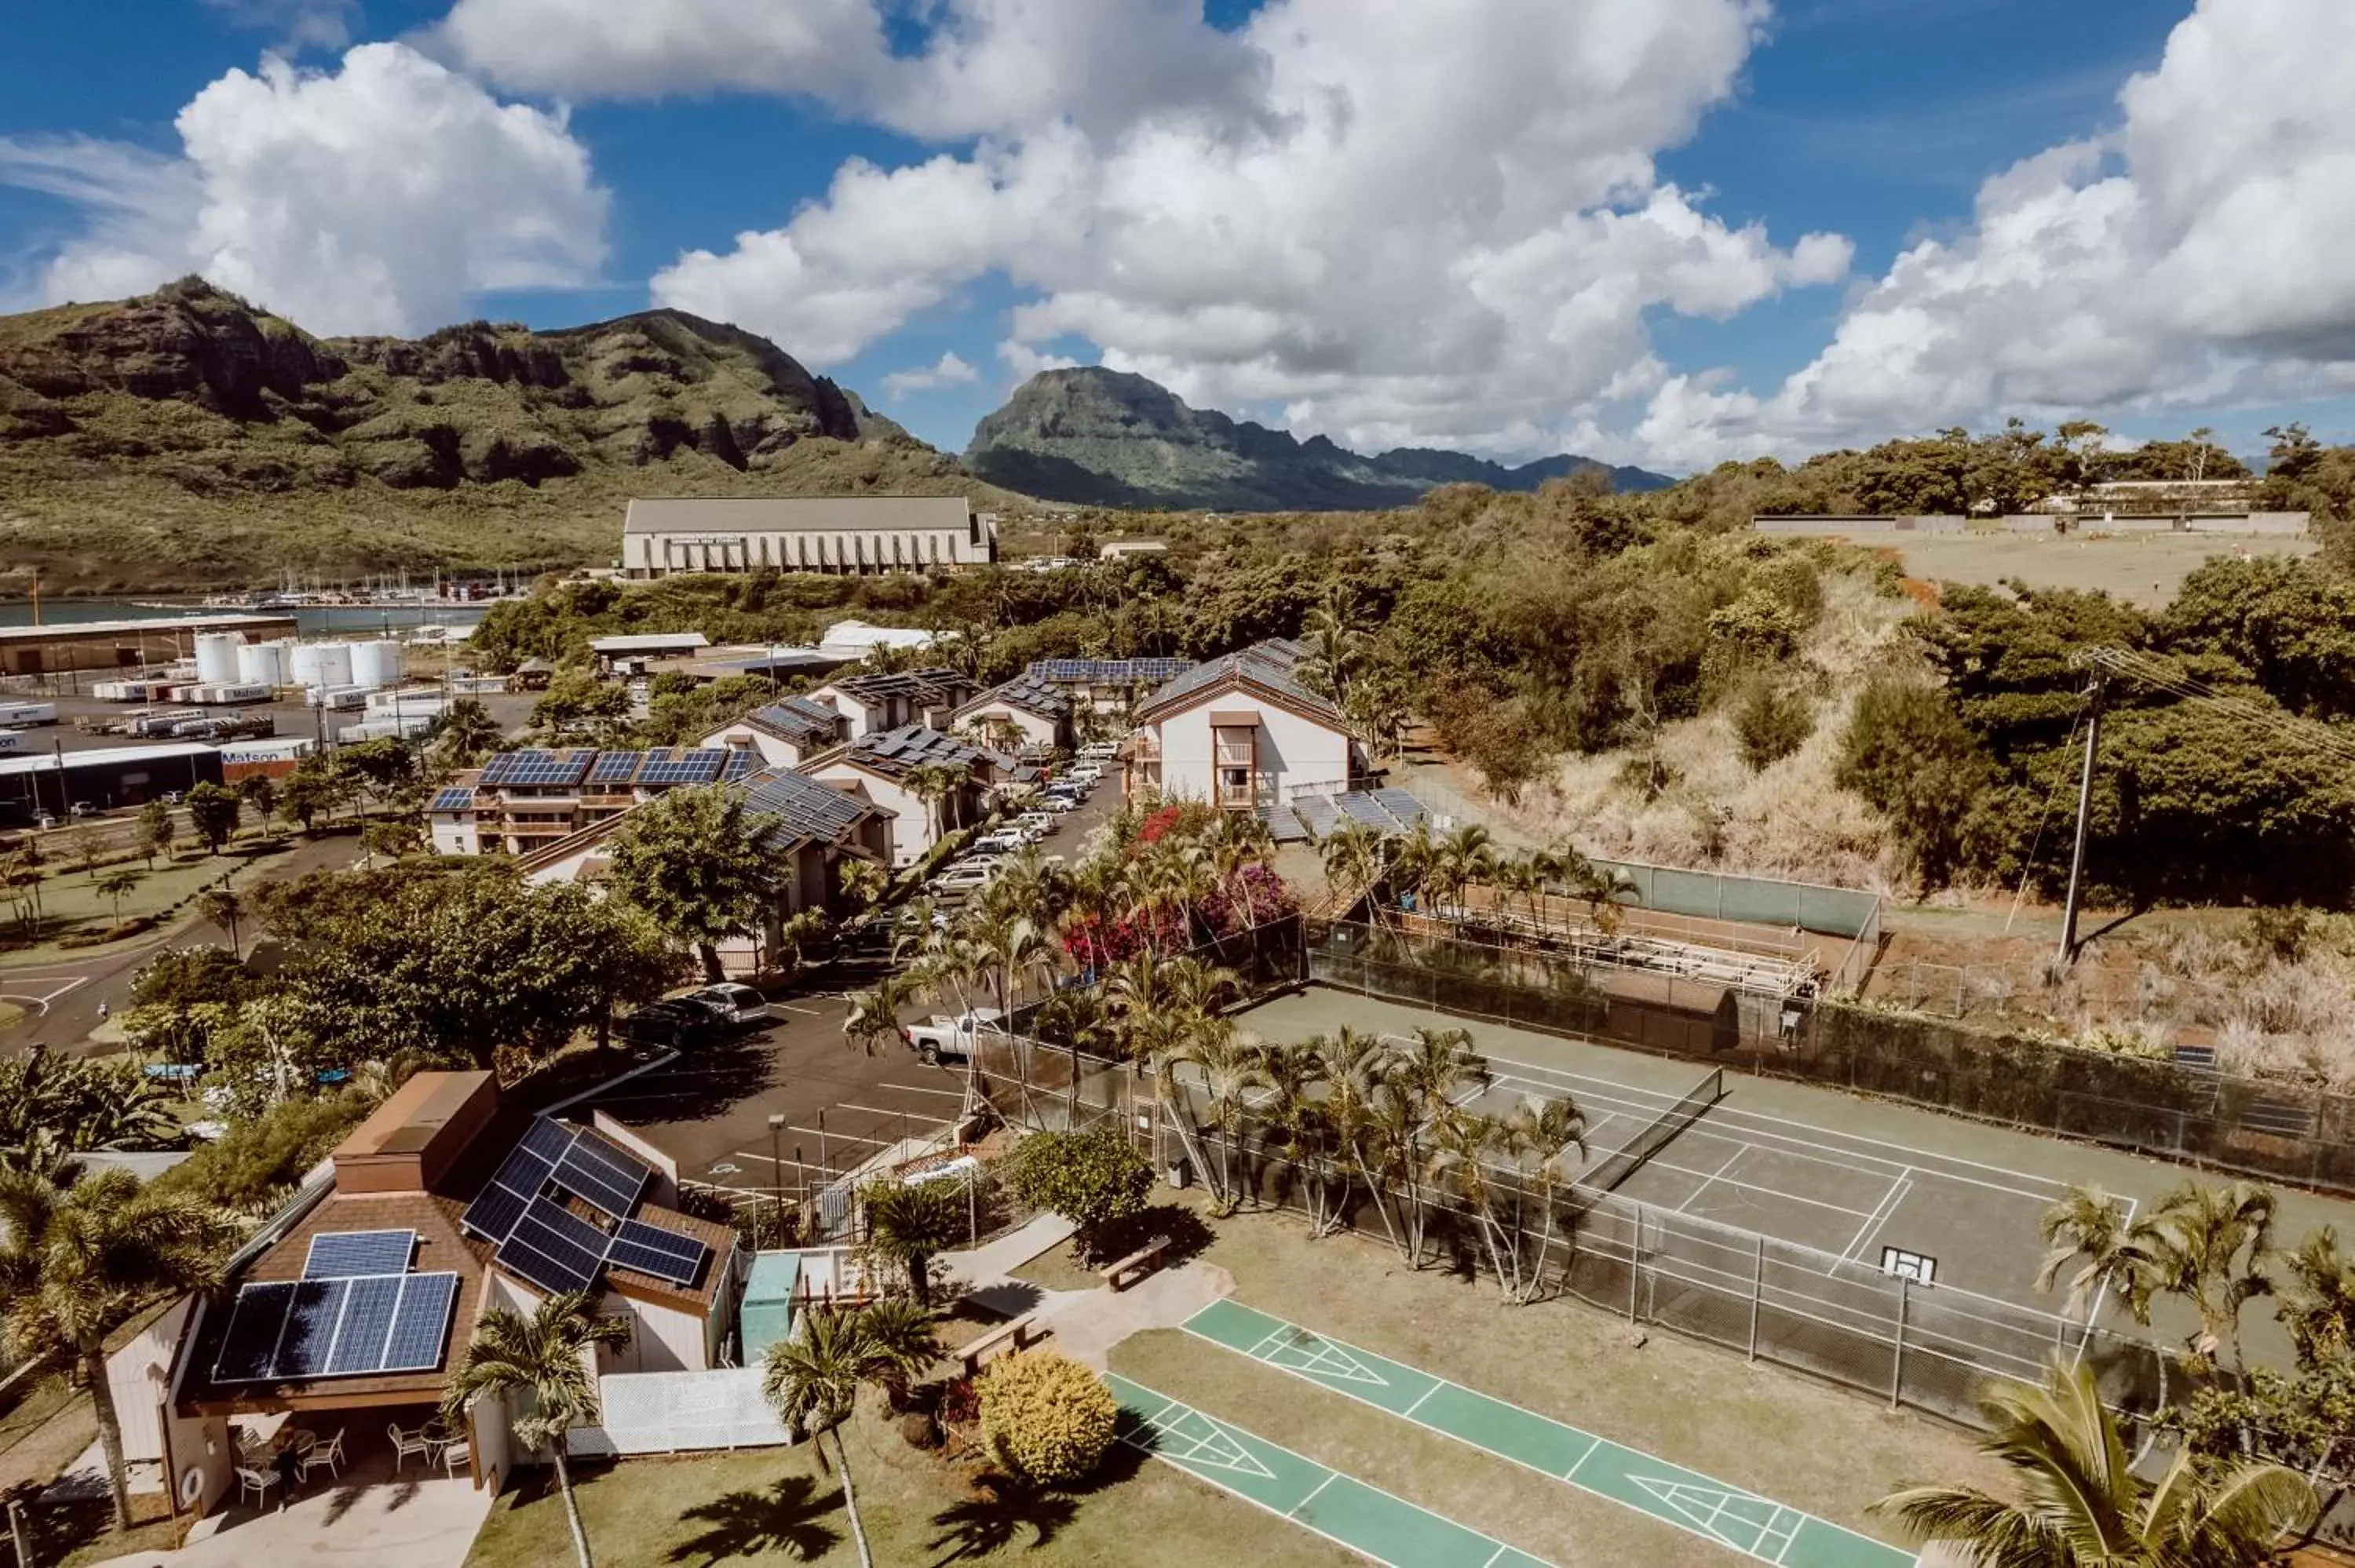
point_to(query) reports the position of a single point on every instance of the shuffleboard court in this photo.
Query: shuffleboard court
(1731, 1516)
(1318, 1498)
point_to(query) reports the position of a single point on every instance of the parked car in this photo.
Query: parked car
(942, 1035)
(958, 878)
(1039, 825)
(675, 1025)
(1100, 750)
(44, 820)
(81, 808)
(732, 1004)
(1058, 804)
(1003, 842)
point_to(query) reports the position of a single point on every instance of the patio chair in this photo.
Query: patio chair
(454, 1453)
(404, 1444)
(329, 1454)
(257, 1482)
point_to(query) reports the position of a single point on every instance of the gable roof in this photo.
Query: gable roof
(796, 720)
(937, 684)
(662, 767)
(1031, 696)
(896, 753)
(1271, 670)
(1106, 672)
(802, 810)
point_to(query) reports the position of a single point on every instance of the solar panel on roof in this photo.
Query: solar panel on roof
(457, 797)
(339, 1255)
(310, 1332)
(251, 1342)
(548, 1137)
(521, 1178)
(597, 1172)
(553, 1248)
(369, 1307)
(614, 768)
(650, 1249)
(420, 1324)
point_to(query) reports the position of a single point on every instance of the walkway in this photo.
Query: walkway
(1753, 1525)
(371, 1519)
(1087, 1323)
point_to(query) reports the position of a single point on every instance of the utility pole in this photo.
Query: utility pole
(2084, 809)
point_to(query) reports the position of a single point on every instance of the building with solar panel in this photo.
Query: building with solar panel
(855, 535)
(1025, 716)
(1244, 733)
(883, 770)
(1111, 686)
(873, 700)
(809, 828)
(520, 802)
(349, 1313)
(785, 733)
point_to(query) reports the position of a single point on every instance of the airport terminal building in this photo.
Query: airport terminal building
(846, 535)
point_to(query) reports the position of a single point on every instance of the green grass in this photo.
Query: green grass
(1058, 1269)
(765, 1505)
(71, 903)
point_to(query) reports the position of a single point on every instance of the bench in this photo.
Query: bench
(1011, 1337)
(1134, 1266)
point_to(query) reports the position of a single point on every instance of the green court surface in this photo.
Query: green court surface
(1343, 1509)
(1756, 1526)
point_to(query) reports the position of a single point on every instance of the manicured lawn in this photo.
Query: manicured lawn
(1057, 1269)
(778, 1506)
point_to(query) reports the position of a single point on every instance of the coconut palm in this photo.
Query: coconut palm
(544, 1358)
(77, 1260)
(2210, 1246)
(873, 1020)
(467, 732)
(1353, 1063)
(2114, 1257)
(2080, 1503)
(1297, 1117)
(1546, 1129)
(813, 1380)
(1462, 1142)
(2317, 1299)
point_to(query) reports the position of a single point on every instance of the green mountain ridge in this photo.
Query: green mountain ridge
(186, 439)
(1109, 438)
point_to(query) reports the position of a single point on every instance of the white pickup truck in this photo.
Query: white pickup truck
(942, 1035)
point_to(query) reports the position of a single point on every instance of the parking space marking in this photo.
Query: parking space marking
(921, 1089)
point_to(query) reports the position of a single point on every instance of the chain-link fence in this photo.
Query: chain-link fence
(2259, 1126)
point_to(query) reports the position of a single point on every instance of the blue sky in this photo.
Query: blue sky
(1668, 232)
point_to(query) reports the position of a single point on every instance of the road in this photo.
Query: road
(61, 995)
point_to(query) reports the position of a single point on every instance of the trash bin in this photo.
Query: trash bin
(1177, 1173)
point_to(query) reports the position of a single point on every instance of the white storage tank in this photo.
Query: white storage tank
(375, 662)
(262, 665)
(321, 664)
(216, 657)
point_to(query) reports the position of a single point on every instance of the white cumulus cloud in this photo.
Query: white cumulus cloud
(2193, 258)
(1402, 223)
(374, 198)
(948, 371)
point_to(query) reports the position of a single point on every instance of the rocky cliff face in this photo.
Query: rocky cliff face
(472, 404)
(1104, 437)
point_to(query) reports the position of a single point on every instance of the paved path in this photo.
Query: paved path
(1087, 1323)
(1730, 1516)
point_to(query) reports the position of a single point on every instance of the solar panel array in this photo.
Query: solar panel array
(1031, 694)
(614, 770)
(537, 768)
(802, 810)
(456, 798)
(288, 1330)
(1283, 826)
(339, 1255)
(546, 1244)
(801, 720)
(1386, 811)
(1108, 672)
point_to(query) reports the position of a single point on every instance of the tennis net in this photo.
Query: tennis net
(1615, 1167)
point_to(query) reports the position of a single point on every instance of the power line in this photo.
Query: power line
(2154, 672)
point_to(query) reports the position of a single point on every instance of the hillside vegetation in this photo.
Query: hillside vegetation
(185, 438)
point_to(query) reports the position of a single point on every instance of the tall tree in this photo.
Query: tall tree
(77, 1262)
(543, 1358)
(157, 828)
(467, 732)
(2080, 1505)
(695, 859)
(213, 812)
(813, 1380)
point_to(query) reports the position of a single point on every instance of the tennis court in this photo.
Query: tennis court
(1864, 1202)
(1729, 1516)
(1343, 1509)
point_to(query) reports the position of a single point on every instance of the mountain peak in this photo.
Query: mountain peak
(1113, 438)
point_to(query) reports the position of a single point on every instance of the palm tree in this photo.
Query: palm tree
(119, 885)
(222, 907)
(1547, 1130)
(1439, 1065)
(1465, 856)
(812, 1379)
(1353, 1064)
(76, 1262)
(1336, 644)
(2080, 1503)
(1354, 859)
(467, 732)
(2210, 1245)
(1298, 1118)
(1395, 1125)
(1231, 1066)
(909, 1223)
(1076, 1013)
(934, 783)
(2115, 1255)
(873, 1020)
(544, 1357)
(1462, 1143)
(2317, 1303)
(862, 881)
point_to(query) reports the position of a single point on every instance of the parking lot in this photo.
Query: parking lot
(709, 1110)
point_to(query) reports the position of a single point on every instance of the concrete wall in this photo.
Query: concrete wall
(1037, 729)
(139, 1376)
(771, 751)
(2290, 524)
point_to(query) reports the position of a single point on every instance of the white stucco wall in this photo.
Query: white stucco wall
(772, 752)
(1292, 750)
(454, 835)
(1036, 729)
(911, 832)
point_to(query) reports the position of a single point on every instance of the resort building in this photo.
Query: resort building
(894, 771)
(1023, 715)
(1245, 734)
(523, 800)
(872, 702)
(857, 535)
(785, 733)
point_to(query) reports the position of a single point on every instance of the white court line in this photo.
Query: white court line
(1436, 1385)
(1721, 1117)
(42, 1001)
(1330, 1477)
(766, 1159)
(1881, 1213)
(2094, 1313)
(832, 1136)
(1711, 1178)
(874, 1111)
(1572, 1474)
